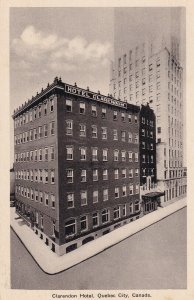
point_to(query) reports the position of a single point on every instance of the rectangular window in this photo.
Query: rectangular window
(124, 191)
(94, 131)
(116, 155)
(130, 173)
(136, 138)
(45, 108)
(83, 175)
(105, 216)
(45, 130)
(105, 194)
(95, 219)
(83, 223)
(94, 154)
(40, 154)
(82, 108)
(52, 153)
(130, 156)
(69, 176)
(116, 214)
(69, 127)
(52, 201)
(104, 154)
(52, 128)
(104, 133)
(45, 176)
(105, 174)
(52, 177)
(69, 105)
(116, 192)
(70, 200)
(124, 173)
(82, 130)
(94, 111)
(103, 113)
(131, 189)
(95, 196)
(115, 115)
(136, 157)
(95, 175)
(39, 132)
(123, 155)
(46, 154)
(123, 117)
(123, 136)
(69, 153)
(51, 105)
(129, 118)
(136, 172)
(115, 134)
(137, 188)
(83, 198)
(83, 153)
(35, 133)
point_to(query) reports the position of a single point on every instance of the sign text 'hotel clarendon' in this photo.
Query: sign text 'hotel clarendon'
(93, 96)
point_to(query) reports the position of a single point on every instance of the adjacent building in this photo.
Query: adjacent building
(154, 75)
(77, 165)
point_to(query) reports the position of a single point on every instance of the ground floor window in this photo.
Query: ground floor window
(137, 206)
(116, 212)
(70, 227)
(95, 219)
(83, 223)
(105, 215)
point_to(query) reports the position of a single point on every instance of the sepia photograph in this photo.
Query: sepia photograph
(96, 126)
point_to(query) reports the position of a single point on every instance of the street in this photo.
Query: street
(154, 258)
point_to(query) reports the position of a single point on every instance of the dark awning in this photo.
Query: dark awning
(153, 195)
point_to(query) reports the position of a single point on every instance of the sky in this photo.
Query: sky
(74, 43)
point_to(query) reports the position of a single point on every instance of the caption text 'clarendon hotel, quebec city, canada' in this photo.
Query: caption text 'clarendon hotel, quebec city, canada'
(86, 164)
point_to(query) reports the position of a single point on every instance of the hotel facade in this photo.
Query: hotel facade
(77, 165)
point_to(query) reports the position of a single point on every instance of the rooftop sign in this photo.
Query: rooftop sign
(93, 96)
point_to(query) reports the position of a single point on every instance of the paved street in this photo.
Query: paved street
(154, 258)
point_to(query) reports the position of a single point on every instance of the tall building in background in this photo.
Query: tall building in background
(149, 68)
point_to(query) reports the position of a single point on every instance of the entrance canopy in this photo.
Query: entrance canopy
(152, 195)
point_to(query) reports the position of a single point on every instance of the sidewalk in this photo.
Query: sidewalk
(51, 263)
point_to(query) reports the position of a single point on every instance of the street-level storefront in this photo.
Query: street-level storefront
(151, 201)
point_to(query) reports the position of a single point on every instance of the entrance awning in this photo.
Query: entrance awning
(152, 195)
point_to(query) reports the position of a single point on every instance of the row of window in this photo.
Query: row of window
(149, 133)
(40, 175)
(45, 154)
(137, 64)
(35, 134)
(42, 197)
(99, 218)
(145, 145)
(83, 154)
(35, 113)
(123, 191)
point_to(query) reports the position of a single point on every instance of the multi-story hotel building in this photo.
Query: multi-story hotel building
(76, 164)
(143, 75)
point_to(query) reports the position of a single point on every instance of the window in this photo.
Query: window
(130, 173)
(116, 155)
(35, 113)
(83, 223)
(152, 158)
(137, 206)
(137, 188)
(124, 191)
(105, 216)
(82, 130)
(136, 138)
(123, 136)
(31, 116)
(52, 177)
(52, 126)
(159, 129)
(35, 175)
(40, 175)
(115, 134)
(45, 108)
(83, 153)
(150, 67)
(35, 133)
(70, 227)
(83, 175)
(136, 157)
(41, 197)
(116, 213)
(129, 118)
(51, 105)
(46, 199)
(95, 196)
(95, 219)
(116, 192)
(39, 111)
(104, 133)
(123, 155)
(32, 194)
(105, 194)
(129, 137)
(45, 176)
(69, 176)
(105, 174)
(130, 156)
(124, 173)
(95, 175)
(31, 135)
(52, 154)
(104, 154)
(69, 127)
(46, 154)
(151, 146)
(69, 153)
(116, 172)
(83, 198)
(115, 115)
(94, 154)
(131, 189)
(103, 113)
(94, 131)
(69, 105)
(40, 154)
(70, 200)
(136, 172)
(82, 108)
(94, 111)
(123, 117)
